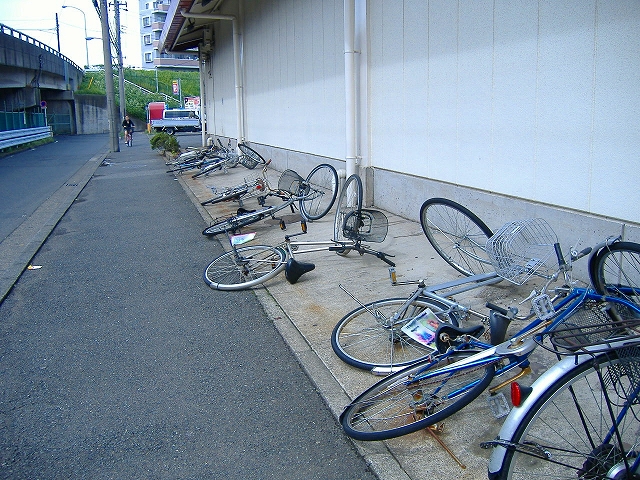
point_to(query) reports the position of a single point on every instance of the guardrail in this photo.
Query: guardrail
(26, 38)
(11, 138)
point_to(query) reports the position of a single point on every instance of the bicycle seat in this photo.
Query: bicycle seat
(294, 269)
(448, 335)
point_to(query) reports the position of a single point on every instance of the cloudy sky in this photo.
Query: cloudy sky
(37, 18)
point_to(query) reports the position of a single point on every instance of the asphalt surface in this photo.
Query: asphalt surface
(117, 361)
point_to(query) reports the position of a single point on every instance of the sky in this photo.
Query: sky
(37, 18)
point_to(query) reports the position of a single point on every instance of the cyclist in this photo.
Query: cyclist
(128, 126)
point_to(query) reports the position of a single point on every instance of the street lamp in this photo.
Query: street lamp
(86, 35)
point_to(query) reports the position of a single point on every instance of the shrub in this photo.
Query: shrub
(166, 142)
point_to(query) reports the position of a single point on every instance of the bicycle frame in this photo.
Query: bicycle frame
(502, 444)
(517, 349)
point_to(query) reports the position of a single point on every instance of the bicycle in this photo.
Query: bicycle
(461, 367)
(580, 418)
(241, 191)
(370, 337)
(248, 266)
(229, 158)
(195, 159)
(374, 336)
(313, 196)
(128, 137)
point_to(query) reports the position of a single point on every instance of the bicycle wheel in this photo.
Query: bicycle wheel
(183, 167)
(226, 196)
(323, 185)
(251, 157)
(350, 201)
(414, 398)
(233, 224)
(566, 434)
(370, 336)
(457, 234)
(245, 267)
(615, 271)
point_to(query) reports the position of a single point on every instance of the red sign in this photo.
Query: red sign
(175, 87)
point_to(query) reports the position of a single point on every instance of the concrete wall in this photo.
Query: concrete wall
(91, 114)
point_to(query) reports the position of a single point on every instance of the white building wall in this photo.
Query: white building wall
(537, 100)
(293, 75)
(525, 99)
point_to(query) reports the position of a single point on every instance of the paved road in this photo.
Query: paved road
(116, 361)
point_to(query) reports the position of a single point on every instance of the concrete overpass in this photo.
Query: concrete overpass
(31, 73)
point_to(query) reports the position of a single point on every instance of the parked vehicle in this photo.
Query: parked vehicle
(172, 120)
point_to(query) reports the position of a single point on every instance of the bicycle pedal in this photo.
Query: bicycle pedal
(498, 405)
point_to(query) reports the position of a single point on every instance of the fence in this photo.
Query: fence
(18, 120)
(11, 138)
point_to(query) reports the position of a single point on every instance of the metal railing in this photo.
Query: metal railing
(26, 38)
(12, 138)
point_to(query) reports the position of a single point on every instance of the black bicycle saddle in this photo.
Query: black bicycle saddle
(294, 269)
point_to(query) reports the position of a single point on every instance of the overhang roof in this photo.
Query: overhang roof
(180, 34)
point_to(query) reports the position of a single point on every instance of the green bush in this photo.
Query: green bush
(166, 142)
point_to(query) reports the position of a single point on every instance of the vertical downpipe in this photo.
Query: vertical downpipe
(350, 85)
(203, 124)
(238, 78)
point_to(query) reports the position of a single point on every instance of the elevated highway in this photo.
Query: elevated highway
(33, 75)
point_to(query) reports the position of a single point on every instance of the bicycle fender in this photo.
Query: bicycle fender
(517, 414)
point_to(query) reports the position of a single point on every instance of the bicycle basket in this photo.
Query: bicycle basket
(520, 249)
(591, 324)
(366, 225)
(290, 181)
(248, 162)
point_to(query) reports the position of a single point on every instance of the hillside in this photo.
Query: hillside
(93, 83)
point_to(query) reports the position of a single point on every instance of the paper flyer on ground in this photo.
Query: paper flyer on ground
(423, 328)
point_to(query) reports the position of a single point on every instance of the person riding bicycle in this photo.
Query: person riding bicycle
(128, 126)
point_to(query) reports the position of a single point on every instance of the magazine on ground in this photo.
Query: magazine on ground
(422, 328)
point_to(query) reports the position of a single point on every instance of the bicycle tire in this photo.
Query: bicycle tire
(457, 234)
(397, 404)
(349, 201)
(183, 167)
(226, 196)
(362, 340)
(558, 429)
(207, 169)
(246, 267)
(615, 271)
(234, 224)
(323, 185)
(256, 158)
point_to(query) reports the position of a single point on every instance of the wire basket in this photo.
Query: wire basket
(365, 225)
(618, 340)
(592, 324)
(523, 248)
(290, 181)
(248, 162)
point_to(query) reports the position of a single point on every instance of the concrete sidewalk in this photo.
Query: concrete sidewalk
(307, 311)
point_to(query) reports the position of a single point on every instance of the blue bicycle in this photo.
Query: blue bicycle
(462, 366)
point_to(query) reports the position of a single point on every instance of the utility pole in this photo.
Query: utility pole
(108, 77)
(123, 110)
(58, 32)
